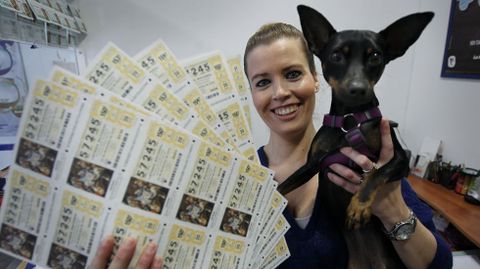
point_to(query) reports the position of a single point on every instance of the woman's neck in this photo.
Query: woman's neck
(289, 149)
(285, 156)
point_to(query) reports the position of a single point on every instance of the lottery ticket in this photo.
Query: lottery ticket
(159, 60)
(211, 73)
(241, 85)
(72, 81)
(87, 166)
(279, 254)
(271, 215)
(19, 6)
(41, 219)
(270, 239)
(114, 70)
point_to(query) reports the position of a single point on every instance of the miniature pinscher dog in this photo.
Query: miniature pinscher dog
(352, 63)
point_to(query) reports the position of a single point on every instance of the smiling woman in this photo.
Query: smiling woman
(283, 88)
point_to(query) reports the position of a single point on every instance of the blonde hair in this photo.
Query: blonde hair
(271, 32)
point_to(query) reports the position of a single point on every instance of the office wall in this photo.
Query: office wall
(411, 90)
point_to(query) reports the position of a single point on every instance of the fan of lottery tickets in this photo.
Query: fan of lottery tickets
(142, 146)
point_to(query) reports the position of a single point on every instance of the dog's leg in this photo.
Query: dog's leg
(300, 177)
(359, 209)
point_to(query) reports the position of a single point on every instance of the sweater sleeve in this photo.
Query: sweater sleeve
(443, 256)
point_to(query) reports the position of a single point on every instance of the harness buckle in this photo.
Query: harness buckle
(345, 119)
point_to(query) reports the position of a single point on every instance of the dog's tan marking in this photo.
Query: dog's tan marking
(333, 83)
(358, 211)
(346, 49)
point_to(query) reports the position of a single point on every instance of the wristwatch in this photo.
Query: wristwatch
(402, 230)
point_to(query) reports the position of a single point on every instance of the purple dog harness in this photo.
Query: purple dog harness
(354, 136)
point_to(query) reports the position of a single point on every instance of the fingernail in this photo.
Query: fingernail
(131, 242)
(106, 240)
(157, 262)
(346, 150)
(151, 248)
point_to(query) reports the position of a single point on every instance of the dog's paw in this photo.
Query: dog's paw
(358, 213)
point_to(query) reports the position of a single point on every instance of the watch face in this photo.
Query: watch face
(404, 231)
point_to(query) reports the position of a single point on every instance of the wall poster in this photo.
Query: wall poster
(13, 85)
(462, 47)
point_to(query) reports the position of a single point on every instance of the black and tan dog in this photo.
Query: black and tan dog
(352, 62)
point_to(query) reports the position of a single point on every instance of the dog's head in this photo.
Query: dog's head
(353, 60)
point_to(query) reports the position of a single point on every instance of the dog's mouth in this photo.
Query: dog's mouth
(285, 110)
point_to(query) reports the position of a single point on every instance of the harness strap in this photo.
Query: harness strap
(337, 121)
(353, 136)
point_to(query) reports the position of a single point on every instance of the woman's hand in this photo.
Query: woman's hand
(125, 252)
(389, 196)
(350, 180)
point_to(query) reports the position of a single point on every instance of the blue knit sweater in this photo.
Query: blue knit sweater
(321, 245)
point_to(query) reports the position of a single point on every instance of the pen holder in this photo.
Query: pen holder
(466, 177)
(473, 192)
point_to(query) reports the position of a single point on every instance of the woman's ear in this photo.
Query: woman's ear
(317, 86)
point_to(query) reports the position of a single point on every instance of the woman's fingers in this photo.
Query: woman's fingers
(345, 178)
(124, 254)
(361, 160)
(157, 263)
(103, 253)
(346, 173)
(387, 151)
(147, 257)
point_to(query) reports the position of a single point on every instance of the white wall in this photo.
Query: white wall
(411, 91)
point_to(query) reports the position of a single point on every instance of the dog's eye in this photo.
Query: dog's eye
(336, 57)
(375, 59)
(293, 74)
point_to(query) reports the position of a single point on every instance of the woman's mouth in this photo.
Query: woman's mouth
(286, 110)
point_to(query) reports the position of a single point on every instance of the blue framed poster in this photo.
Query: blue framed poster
(462, 47)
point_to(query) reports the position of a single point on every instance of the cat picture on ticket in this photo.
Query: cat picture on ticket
(89, 177)
(235, 222)
(145, 195)
(17, 241)
(61, 257)
(195, 210)
(36, 157)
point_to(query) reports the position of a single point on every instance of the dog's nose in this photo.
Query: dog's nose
(357, 88)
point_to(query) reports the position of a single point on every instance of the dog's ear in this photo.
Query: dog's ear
(315, 27)
(401, 34)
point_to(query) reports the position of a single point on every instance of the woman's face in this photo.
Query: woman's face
(283, 87)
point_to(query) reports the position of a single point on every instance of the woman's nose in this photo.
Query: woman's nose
(280, 90)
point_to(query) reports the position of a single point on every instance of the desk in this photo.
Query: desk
(452, 206)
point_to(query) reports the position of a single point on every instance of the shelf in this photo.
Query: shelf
(451, 205)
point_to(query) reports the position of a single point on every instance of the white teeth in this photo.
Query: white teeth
(286, 110)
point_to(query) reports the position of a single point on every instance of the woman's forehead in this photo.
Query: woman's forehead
(280, 53)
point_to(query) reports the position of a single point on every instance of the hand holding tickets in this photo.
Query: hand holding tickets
(142, 149)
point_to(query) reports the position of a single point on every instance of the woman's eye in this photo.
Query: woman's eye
(336, 57)
(293, 74)
(375, 58)
(262, 83)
